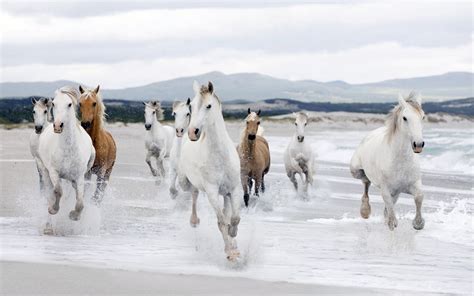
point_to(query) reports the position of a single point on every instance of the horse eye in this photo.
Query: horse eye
(258, 123)
(209, 106)
(305, 124)
(34, 111)
(404, 118)
(45, 112)
(80, 104)
(52, 104)
(94, 104)
(154, 112)
(173, 114)
(296, 124)
(70, 104)
(189, 114)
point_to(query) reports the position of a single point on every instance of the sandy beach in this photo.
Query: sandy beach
(140, 242)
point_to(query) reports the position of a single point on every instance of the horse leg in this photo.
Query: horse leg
(365, 205)
(263, 182)
(250, 183)
(258, 182)
(232, 227)
(173, 176)
(389, 212)
(194, 218)
(222, 222)
(102, 178)
(78, 185)
(418, 222)
(244, 179)
(57, 192)
(160, 166)
(148, 161)
(235, 217)
(292, 177)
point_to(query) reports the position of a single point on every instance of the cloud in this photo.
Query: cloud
(364, 64)
(76, 40)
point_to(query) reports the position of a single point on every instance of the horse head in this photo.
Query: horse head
(64, 107)
(252, 124)
(407, 118)
(300, 123)
(153, 112)
(41, 113)
(205, 109)
(182, 115)
(91, 106)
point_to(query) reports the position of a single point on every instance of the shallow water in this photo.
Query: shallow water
(281, 236)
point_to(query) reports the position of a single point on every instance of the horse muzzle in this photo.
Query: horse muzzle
(179, 132)
(58, 128)
(86, 125)
(194, 134)
(300, 139)
(252, 137)
(38, 129)
(418, 146)
(147, 127)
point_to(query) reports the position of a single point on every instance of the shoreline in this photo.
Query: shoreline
(23, 278)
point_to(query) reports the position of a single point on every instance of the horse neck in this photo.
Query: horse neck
(399, 146)
(216, 134)
(96, 126)
(156, 126)
(70, 134)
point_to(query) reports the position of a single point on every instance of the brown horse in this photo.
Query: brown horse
(92, 120)
(254, 156)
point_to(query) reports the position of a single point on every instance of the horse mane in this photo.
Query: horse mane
(393, 117)
(100, 115)
(302, 114)
(70, 91)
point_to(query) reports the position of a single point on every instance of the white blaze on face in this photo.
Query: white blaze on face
(300, 124)
(182, 117)
(150, 115)
(63, 110)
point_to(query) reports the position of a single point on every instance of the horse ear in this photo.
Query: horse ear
(81, 90)
(248, 111)
(33, 101)
(96, 90)
(196, 87)
(258, 113)
(210, 87)
(145, 103)
(401, 101)
(188, 102)
(45, 101)
(418, 99)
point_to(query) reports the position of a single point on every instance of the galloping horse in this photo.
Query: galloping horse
(158, 139)
(254, 156)
(92, 120)
(42, 119)
(209, 162)
(65, 150)
(387, 157)
(298, 155)
(182, 115)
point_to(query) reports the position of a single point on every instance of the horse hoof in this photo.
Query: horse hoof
(195, 222)
(154, 173)
(74, 215)
(53, 210)
(233, 255)
(48, 230)
(365, 211)
(392, 224)
(246, 200)
(419, 224)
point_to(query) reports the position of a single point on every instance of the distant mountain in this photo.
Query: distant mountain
(254, 87)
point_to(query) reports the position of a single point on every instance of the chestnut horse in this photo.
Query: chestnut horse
(254, 156)
(92, 120)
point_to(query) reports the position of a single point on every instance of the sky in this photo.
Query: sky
(123, 44)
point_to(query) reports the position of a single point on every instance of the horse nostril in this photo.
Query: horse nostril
(177, 130)
(196, 131)
(61, 125)
(182, 130)
(422, 144)
(414, 144)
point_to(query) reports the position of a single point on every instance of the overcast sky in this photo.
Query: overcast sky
(121, 44)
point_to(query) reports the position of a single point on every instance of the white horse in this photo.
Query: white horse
(298, 155)
(158, 139)
(387, 158)
(42, 119)
(66, 150)
(182, 116)
(209, 162)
